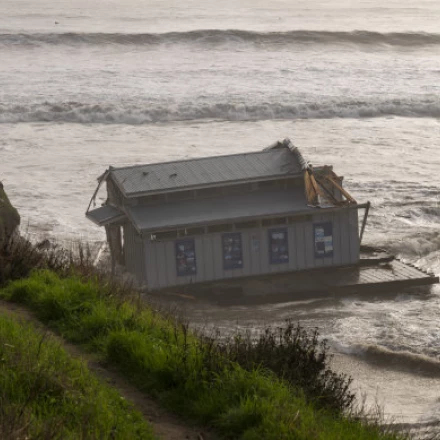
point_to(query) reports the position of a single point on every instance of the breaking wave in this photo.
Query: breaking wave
(423, 246)
(212, 37)
(134, 114)
(398, 360)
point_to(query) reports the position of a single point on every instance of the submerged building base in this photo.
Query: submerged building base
(371, 276)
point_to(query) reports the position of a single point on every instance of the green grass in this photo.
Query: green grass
(163, 358)
(45, 394)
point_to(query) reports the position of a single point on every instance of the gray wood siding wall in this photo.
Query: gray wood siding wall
(134, 253)
(161, 260)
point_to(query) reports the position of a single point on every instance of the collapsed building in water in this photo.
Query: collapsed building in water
(229, 217)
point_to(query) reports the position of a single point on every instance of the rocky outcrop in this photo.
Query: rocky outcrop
(9, 217)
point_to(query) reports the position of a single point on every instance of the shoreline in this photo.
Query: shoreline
(402, 384)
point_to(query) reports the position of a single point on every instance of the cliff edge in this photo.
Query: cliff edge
(9, 217)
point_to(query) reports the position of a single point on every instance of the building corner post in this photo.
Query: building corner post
(364, 221)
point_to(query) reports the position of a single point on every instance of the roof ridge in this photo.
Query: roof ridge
(194, 159)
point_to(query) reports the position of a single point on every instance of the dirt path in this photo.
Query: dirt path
(166, 425)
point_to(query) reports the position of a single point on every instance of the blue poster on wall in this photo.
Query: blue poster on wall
(278, 246)
(323, 233)
(186, 257)
(232, 251)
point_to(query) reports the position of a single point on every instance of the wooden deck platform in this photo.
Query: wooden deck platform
(372, 275)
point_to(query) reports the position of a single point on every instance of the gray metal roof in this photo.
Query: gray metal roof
(105, 215)
(161, 177)
(219, 209)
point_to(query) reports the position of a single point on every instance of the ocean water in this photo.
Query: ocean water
(87, 84)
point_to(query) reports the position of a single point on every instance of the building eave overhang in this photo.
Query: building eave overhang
(106, 215)
(309, 210)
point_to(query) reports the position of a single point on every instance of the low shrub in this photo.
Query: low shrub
(297, 356)
(19, 256)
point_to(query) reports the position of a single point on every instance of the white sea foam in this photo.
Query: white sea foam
(118, 113)
(401, 360)
(215, 37)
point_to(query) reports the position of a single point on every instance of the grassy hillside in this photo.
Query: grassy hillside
(186, 373)
(45, 394)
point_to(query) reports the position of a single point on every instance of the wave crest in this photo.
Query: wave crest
(212, 37)
(147, 113)
(399, 360)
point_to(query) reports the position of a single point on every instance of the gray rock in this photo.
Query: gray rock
(9, 218)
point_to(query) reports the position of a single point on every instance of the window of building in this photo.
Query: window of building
(323, 235)
(278, 246)
(167, 235)
(232, 251)
(186, 257)
(191, 231)
(299, 219)
(274, 221)
(195, 231)
(219, 228)
(246, 225)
